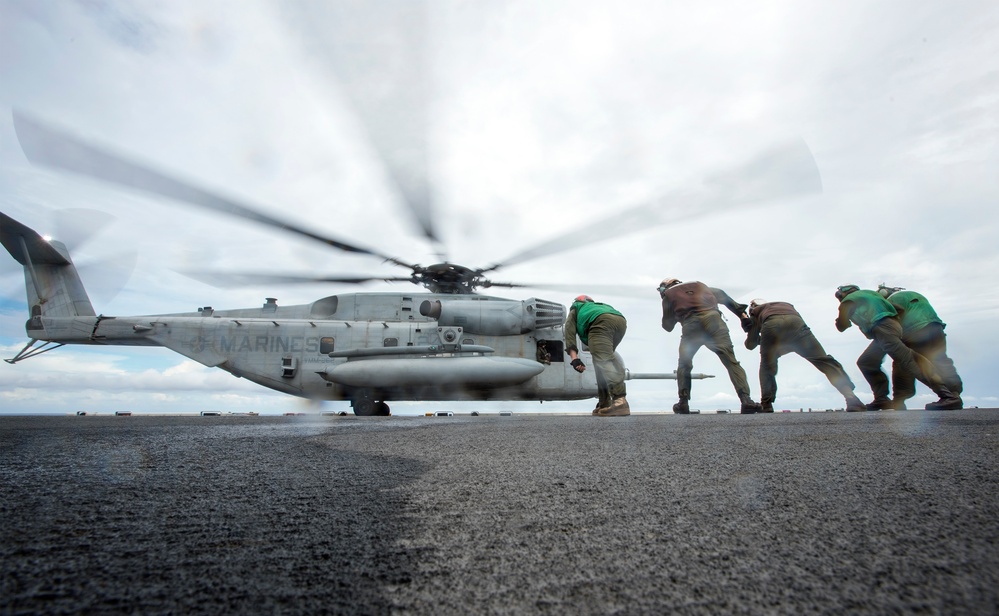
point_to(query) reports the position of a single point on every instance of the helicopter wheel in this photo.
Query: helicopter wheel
(363, 403)
(382, 409)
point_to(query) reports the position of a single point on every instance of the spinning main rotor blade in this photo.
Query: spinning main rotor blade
(380, 60)
(241, 279)
(785, 171)
(616, 290)
(49, 147)
(599, 290)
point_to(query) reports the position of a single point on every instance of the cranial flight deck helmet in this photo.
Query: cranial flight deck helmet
(845, 290)
(583, 298)
(885, 291)
(755, 304)
(667, 283)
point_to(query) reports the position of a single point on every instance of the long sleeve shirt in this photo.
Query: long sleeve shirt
(760, 315)
(686, 298)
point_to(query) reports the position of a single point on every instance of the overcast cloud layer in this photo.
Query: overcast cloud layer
(512, 123)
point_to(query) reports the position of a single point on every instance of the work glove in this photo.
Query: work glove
(747, 324)
(578, 364)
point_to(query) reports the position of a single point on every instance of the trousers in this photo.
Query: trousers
(708, 329)
(787, 333)
(929, 342)
(905, 360)
(603, 337)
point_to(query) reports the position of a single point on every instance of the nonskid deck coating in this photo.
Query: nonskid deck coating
(869, 512)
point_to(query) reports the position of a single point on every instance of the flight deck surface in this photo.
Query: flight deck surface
(783, 513)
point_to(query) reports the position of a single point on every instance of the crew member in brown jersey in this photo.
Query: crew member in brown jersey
(695, 306)
(778, 329)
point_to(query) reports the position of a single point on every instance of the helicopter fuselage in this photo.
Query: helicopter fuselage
(363, 347)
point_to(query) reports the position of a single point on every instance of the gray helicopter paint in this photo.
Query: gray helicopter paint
(267, 350)
(262, 349)
(474, 371)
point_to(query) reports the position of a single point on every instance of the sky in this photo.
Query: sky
(508, 124)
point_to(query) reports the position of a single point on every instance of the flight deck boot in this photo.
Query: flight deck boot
(855, 405)
(602, 405)
(749, 407)
(682, 407)
(880, 404)
(949, 401)
(618, 408)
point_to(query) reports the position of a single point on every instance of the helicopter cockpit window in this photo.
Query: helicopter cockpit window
(390, 342)
(325, 346)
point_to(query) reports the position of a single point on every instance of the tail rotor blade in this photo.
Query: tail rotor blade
(106, 277)
(76, 226)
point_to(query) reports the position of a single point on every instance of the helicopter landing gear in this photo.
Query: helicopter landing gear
(364, 404)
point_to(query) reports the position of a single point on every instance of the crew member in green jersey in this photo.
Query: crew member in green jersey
(923, 332)
(878, 320)
(778, 329)
(601, 328)
(695, 306)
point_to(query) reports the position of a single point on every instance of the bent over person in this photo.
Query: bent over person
(601, 328)
(878, 320)
(778, 329)
(923, 332)
(695, 306)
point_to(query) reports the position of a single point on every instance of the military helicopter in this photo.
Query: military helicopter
(450, 343)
